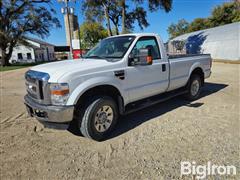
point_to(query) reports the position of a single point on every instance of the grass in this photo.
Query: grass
(19, 66)
(9, 68)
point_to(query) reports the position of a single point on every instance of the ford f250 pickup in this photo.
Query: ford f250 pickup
(120, 75)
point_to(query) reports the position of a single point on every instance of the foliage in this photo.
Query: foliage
(199, 24)
(19, 18)
(91, 33)
(154, 5)
(221, 15)
(139, 15)
(225, 14)
(118, 13)
(177, 29)
(115, 13)
(95, 10)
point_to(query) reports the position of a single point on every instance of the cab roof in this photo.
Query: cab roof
(136, 34)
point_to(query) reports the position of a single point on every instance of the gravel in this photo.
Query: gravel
(149, 144)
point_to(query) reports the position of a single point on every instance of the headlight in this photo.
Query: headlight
(59, 93)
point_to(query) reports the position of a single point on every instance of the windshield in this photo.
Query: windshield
(114, 47)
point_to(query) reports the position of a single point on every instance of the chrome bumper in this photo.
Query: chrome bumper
(49, 113)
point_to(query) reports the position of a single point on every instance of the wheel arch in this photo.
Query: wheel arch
(199, 71)
(103, 90)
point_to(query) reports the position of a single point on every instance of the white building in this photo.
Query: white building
(37, 51)
(222, 42)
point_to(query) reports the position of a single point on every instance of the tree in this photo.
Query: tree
(225, 14)
(140, 14)
(95, 9)
(116, 11)
(155, 5)
(181, 27)
(199, 24)
(91, 33)
(21, 17)
(93, 12)
(221, 15)
(123, 5)
(109, 9)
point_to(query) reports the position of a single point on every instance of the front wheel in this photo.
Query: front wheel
(194, 87)
(99, 118)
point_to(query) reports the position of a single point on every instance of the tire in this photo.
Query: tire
(194, 87)
(98, 118)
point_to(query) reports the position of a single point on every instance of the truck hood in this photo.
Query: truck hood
(58, 69)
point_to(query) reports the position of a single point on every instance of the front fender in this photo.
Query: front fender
(91, 83)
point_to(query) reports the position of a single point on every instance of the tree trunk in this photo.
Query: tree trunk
(116, 29)
(123, 3)
(108, 20)
(5, 58)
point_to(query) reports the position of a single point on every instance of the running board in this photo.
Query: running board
(138, 105)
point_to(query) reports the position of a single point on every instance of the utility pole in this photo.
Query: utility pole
(66, 10)
(79, 38)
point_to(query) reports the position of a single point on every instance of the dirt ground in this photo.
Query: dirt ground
(149, 144)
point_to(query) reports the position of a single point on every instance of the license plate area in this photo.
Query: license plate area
(36, 112)
(30, 111)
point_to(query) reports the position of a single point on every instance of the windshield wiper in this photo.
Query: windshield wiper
(98, 57)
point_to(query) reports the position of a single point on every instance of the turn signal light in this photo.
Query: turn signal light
(60, 92)
(149, 59)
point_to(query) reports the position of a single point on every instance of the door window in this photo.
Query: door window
(150, 43)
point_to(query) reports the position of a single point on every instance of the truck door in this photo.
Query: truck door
(148, 80)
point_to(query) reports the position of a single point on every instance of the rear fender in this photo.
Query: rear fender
(193, 67)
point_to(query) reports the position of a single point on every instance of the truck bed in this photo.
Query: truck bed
(180, 67)
(174, 56)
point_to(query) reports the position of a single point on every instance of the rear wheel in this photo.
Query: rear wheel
(194, 87)
(98, 117)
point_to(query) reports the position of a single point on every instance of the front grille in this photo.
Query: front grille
(40, 86)
(36, 84)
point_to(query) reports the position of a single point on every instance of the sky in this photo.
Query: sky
(159, 21)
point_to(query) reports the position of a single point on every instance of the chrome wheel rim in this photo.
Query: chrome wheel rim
(195, 87)
(103, 118)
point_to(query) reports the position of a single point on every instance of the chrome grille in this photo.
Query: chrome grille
(36, 85)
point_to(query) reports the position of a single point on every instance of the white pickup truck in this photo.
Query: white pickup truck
(120, 75)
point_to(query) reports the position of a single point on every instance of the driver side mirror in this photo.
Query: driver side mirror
(143, 57)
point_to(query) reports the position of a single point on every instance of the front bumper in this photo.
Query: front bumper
(49, 113)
